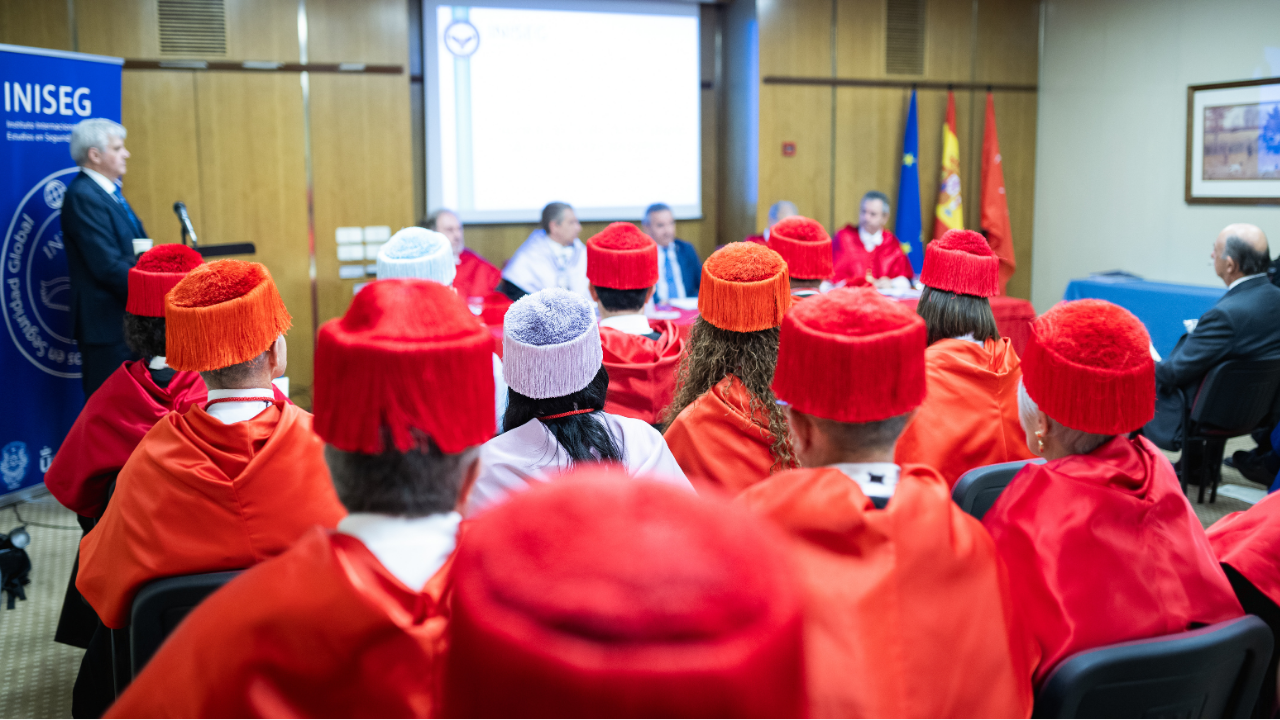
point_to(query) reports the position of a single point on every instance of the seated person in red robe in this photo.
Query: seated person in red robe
(476, 277)
(640, 354)
(907, 603)
(351, 623)
(724, 427)
(1248, 545)
(222, 486)
(119, 413)
(806, 247)
(778, 212)
(603, 596)
(869, 251)
(1101, 545)
(970, 416)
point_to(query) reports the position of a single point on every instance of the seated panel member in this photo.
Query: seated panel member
(115, 418)
(226, 484)
(602, 596)
(475, 276)
(724, 426)
(552, 257)
(555, 416)
(350, 623)
(907, 602)
(970, 416)
(1101, 545)
(640, 355)
(679, 269)
(806, 247)
(870, 251)
(778, 212)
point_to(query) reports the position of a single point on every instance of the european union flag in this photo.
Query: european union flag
(907, 226)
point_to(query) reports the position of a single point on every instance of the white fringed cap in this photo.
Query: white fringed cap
(550, 344)
(416, 252)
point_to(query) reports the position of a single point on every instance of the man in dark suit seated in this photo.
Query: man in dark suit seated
(1240, 326)
(679, 269)
(98, 228)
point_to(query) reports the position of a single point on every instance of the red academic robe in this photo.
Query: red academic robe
(642, 372)
(109, 427)
(722, 446)
(1249, 541)
(476, 276)
(323, 630)
(853, 261)
(1104, 548)
(198, 496)
(969, 417)
(906, 606)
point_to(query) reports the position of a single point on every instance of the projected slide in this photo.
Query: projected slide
(594, 104)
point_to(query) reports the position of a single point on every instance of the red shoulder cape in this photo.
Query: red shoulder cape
(1104, 548)
(476, 276)
(1249, 541)
(969, 417)
(323, 630)
(199, 496)
(853, 261)
(642, 372)
(906, 606)
(109, 427)
(717, 443)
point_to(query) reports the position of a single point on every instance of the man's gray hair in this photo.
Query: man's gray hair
(552, 212)
(1075, 442)
(1248, 260)
(875, 195)
(93, 133)
(777, 210)
(433, 218)
(656, 207)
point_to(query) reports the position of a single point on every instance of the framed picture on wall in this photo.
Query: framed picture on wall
(1233, 143)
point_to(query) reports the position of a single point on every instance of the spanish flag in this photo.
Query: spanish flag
(948, 214)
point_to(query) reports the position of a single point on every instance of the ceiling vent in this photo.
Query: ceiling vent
(904, 37)
(193, 27)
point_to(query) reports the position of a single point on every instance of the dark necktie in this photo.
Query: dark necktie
(137, 225)
(672, 288)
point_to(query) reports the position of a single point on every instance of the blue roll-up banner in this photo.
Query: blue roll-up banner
(46, 92)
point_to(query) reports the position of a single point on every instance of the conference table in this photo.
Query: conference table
(1013, 318)
(1162, 307)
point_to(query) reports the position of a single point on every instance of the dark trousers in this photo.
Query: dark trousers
(78, 621)
(95, 688)
(1256, 603)
(99, 361)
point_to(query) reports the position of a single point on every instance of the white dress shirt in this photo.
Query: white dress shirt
(230, 413)
(1246, 278)
(103, 181)
(669, 287)
(412, 549)
(878, 479)
(631, 324)
(158, 363)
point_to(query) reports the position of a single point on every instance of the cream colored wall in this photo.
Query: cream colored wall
(1111, 141)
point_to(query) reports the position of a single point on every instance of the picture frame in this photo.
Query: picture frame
(1233, 143)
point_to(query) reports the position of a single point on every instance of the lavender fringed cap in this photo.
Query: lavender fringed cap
(550, 344)
(416, 252)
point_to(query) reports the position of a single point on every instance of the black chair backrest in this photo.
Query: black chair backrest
(976, 491)
(161, 605)
(1237, 396)
(1213, 672)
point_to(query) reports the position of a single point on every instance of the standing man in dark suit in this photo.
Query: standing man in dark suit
(1240, 326)
(679, 269)
(98, 228)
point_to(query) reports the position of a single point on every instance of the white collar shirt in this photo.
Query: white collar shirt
(878, 479)
(230, 413)
(631, 324)
(412, 549)
(1246, 278)
(104, 182)
(869, 241)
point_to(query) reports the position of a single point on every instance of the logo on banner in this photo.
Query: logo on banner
(34, 282)
(13, 463)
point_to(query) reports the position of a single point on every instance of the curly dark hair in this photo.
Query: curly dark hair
(144, 335)
(751, 356)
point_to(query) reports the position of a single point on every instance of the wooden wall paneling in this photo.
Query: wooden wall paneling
(262, 30)
(869, 125)
(795, 37)
(799, 114)
(948, 40)
(1008, 49)
(360, 168)
(124, 28)
(159, 111)
(860, 29)
(35, 23)
(370, 31)
(253, 178)
(1016, 123)
(738, 145)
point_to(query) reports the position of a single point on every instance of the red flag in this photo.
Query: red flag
(995, 205)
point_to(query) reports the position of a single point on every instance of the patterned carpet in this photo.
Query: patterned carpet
(36, 673)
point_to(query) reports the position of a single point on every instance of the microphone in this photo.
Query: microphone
(180, 209)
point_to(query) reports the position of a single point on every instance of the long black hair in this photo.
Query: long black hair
(584, 437)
